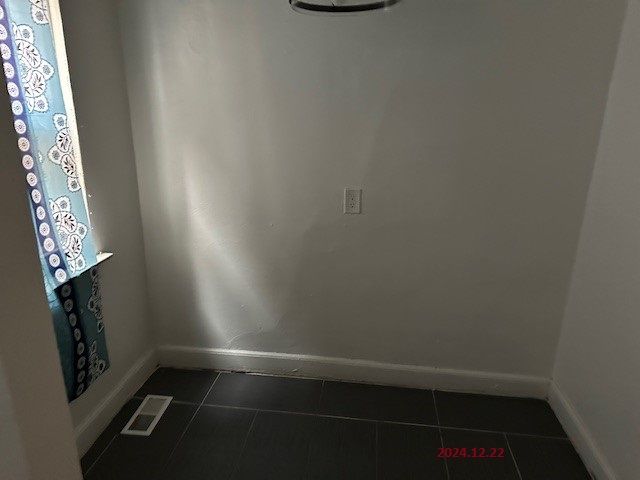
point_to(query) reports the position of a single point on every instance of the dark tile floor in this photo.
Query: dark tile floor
(232, 426)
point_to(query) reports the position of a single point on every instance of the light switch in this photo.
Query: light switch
(352, 201)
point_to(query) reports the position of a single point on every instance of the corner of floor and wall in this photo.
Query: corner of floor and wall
(224, 229)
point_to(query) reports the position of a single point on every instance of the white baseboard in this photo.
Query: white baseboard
(580, 435)
(354, 370)
(90, 428)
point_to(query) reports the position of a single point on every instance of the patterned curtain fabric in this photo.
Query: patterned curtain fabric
(55, 189)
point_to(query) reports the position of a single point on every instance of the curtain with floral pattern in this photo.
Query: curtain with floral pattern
(55, 188)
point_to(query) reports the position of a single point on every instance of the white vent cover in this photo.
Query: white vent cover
(147, 416)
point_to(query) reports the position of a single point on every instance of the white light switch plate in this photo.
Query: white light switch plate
(352, 201)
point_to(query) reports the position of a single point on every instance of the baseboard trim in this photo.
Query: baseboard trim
(90, 428)
(580, 435)
(367, 371)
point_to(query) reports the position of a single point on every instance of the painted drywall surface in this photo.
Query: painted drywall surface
(471, 126)
(97, 76)
(598, 358)
(34, 443)
(13, 462)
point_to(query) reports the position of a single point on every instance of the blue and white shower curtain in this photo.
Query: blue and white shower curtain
(55, 190)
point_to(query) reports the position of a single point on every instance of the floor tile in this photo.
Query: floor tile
(240, 444)
(407, 452)
(212, 445)
(266, 393)
(143, 458)
(479, 468)
(501, 414)
(342, 449)
(277, 447)
(182, 385)
(357, 400)
(113, 429)
(547, 459)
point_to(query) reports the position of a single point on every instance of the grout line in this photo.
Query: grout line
(435, 405)
(309, 445)
(377, 448)
(549, 437)
(446, 462)
(100, 456)
(512, 456)
(215, 380)
(427, 425)
(244, 445)
(532, 435)
(184, 432)
(297, 413)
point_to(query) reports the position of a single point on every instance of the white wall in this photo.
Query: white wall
(13, 463)
(97, 76)
(598, 361)
(471, 126)
(34, 443)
